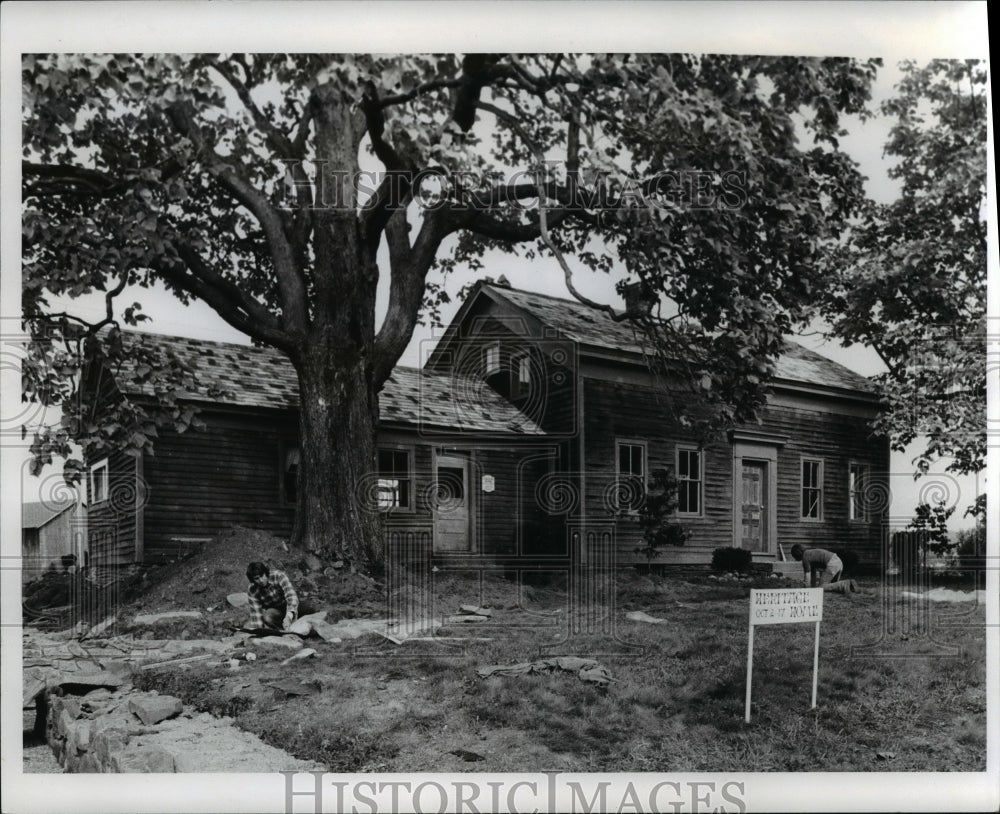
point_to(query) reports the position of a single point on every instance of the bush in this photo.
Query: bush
(656, 516)
(731, 559)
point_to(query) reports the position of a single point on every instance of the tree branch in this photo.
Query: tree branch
(276, 138)
(229, 301)
(409, 267)
(291, 284)
(543, 219)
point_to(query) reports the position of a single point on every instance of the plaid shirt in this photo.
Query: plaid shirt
(277, 593)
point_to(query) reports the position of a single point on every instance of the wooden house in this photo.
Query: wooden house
(53, 537)
(521, 439)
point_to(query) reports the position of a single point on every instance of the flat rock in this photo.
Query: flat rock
(105, 678)
(238, 600)
(351, 628)
(475, 609)
(286, 642)
(151, 709)
(181, 646)
(465, 619)
(642, 616)
(144, 760)
(153, 618)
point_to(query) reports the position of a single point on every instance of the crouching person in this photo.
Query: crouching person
(273, 601)
(822, 568)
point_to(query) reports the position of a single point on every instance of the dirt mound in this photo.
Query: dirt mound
(218, 568)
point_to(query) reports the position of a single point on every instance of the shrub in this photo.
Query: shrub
(731, 559)
(659, 529)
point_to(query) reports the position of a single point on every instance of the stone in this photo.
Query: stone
(153, 618)
(304, 653)
(310, 562)
(325, 630)
(301, 626)
(285, 642)
(153, 709)
(105, 678)
(145, 760)
(464, 619)
(72, 706)
(238, 600)
(475, 609)
(101, 627)
(642, 616)
(111, 741)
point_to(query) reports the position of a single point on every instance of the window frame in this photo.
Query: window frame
(818, 488)
(408, 451)
(644, 458)
(680, 448)
(100, 469)
(520, 361)
(491, 349)
(866, 471)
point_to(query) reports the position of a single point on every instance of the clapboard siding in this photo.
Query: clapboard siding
(112, 523)
(203, 482)
(622, 411)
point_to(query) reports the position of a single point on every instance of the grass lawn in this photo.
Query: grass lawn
(902, 687)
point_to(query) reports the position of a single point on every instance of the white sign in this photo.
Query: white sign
(786, 605)
(488, 483)
(780, 607)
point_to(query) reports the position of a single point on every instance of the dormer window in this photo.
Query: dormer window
(491, 359)
(520, 375)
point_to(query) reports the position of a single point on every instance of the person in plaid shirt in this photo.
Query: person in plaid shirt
(273, 601)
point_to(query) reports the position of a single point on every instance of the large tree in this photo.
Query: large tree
(909, 279)
(237, 180)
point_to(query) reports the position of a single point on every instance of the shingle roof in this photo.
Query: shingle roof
(589, 327)
(36, 515)
(263, 377)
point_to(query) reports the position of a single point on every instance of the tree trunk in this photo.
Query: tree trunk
(336, 514)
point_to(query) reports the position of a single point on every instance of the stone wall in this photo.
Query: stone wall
(126, 730)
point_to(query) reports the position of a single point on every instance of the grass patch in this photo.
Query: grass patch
(677, 702)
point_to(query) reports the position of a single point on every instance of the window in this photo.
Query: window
(812, 489)
(290, 480)
(689, 481)
(520, 375)
(99, 482)
(857, 486)
(631, 475)
(394, 479)
(491, 358)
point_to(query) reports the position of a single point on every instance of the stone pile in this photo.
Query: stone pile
(124, 730)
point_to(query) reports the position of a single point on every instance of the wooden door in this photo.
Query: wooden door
(754, 508)
(451, 504)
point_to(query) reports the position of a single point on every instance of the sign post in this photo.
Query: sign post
(782, 607)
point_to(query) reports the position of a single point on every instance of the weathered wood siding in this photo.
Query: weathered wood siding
(112, 524)
(627, 411)
(202, 482)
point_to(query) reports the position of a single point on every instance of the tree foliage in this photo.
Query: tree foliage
(279, 188)
(910, 279)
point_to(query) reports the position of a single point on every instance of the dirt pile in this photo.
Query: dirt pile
(203, 580)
